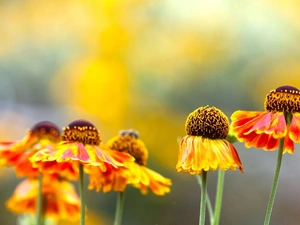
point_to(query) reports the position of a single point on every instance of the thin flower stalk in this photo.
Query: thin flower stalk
(203, 198)
(120, 208)
(208, 201)
(39, 206)
(274, 184)
(81, 194)
(219, 197)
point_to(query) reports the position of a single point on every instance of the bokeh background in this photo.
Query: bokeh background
(146, 64)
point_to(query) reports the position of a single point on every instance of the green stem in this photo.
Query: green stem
(39, 205)
(208, 202)
(219, 196)
(119, 209)
(275, 183)
(81, 192)
(203, 198)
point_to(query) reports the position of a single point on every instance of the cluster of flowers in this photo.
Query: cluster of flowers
(57, 158)
(51, 160)
(207, 145)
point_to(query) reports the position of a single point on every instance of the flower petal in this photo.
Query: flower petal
(288, 145)
(294, 128)
(259, 129)
(278, 127)
(197, 154)
(158, 184)
(262, 123)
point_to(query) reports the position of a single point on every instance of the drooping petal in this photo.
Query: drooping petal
(17, 153)
(24, 166)
(278, 127)
(78, 152)
(245, 119)
(8, 155)
(272, 143)
(66, 170)
(158, 184)
(110, 180)
(261, 123)
(294, 128)
(259, 129)
(197, 154)
(288, 145)
(186, 155)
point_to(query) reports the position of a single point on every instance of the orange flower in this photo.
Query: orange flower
(135, 173)
(60, 199)
(205, 147)
(281, 119)
(44, 135)
(80, 143)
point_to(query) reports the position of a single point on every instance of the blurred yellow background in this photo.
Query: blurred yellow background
(146, 65)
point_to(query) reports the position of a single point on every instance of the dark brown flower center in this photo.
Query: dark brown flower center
(208, 122)
(81, 131)
(283, 99)
(46, 129)
(128, 142)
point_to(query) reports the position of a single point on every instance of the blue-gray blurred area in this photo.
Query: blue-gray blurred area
(146, 65)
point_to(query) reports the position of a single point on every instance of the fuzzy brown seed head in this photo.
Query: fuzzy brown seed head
(283, 99)
(81, 131)
(46, 129)
(208, 122)
(128, 142)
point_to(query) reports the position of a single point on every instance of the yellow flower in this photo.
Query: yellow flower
(205, 146)
(60, 198)
(43, 135)
(135, 173)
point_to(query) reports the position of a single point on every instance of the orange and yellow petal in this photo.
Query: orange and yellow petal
(18, 153)
(62, 201)
(149, 179)
(294, 128)
(270, 123)
(28, 141)
(119, 158)
(278, 127)
(84, 154)
(245, 119)
(288, 145)
(89, 155)
(197, 154)
(260, 129)
(246, 122)
(139, 176)
(66, 170)
(24, 167)
(265, 141)
(19, 159)
(110, 180)
(32, 142)
(8, 155)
